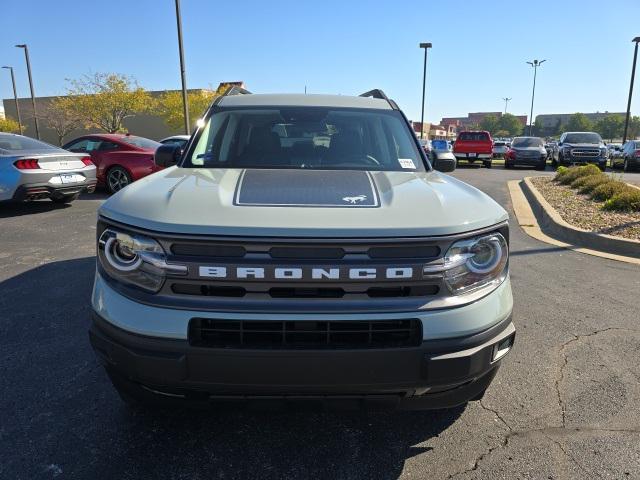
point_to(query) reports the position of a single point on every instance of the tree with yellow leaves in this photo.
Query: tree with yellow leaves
(9, 125)
(104, 100)
(169, 106)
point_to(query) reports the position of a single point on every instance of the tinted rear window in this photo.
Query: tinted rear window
(526, 142)
(473, 137)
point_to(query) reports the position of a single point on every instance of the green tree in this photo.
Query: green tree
(489, 123)
(539, 128)
(169, 106)
(104, 100)
(511, 124)
(9, 126)
(610, 127)
(578, 122)
(634, 128)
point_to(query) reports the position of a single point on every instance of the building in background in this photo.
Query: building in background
(2, 116)
(473, 120)
(433, 131)
(556, 120)
(146, 125)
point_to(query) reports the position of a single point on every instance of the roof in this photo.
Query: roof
(302, 100)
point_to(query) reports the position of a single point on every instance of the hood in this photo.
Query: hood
(302, 203)
(585, 145)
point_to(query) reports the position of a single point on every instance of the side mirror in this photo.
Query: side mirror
(444, 163)
(167, 155)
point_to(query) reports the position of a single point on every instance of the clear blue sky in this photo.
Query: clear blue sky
(478, 56)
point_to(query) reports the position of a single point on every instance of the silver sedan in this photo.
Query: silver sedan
(30, 170)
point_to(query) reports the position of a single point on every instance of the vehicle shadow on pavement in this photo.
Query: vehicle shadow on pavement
(18, 209)
(60, 414)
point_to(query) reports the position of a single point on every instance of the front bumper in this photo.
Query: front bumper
(519, 160)
(443, 371)
(437, 374)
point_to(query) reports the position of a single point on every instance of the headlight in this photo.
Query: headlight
(474, 263)
(135, 260)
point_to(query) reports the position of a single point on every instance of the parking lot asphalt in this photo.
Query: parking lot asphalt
(565, 404)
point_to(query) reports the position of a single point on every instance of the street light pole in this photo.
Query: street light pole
(426, 47)
(633, 76)
(33, 95)
(506, 102)
(185, 104)
(15, 97)
(535, 64)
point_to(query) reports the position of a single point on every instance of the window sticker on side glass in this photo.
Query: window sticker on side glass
(407, 163)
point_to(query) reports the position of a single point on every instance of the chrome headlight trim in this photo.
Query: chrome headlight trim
(135, 259)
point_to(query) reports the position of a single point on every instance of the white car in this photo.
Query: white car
(180, 140)
(500, 149)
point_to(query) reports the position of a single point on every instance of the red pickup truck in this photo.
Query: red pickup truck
(474, 146)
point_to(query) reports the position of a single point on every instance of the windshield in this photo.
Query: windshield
(306, 137)
(141, 142)
(526, 142)
(582, 138)
(16, 143)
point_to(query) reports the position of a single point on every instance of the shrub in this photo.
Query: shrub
(572, 173)
(628, 200)
(580, 181)
(607, 190)
(589, 183)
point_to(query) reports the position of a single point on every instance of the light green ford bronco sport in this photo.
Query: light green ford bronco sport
(302, 248)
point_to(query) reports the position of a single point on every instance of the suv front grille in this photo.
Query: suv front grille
(585, 152)
(283, 335)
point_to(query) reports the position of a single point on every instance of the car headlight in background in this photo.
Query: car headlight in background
(474, 263)
(135, 260)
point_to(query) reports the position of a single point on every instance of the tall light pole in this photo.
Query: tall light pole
(506, 102)
(15, 97)
(426, 47)
(633, 76)
(535, 64)
(33, 95)
(185, 104)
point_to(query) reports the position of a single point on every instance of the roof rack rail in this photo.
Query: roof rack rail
(378, 93)
(235, 90)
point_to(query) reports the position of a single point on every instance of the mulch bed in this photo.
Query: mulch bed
(582, 212)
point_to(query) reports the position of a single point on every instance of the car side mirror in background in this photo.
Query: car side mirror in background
(167, 155)
(559, 144)
(444, 162)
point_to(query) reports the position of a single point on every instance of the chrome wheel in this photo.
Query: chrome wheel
(117, 179)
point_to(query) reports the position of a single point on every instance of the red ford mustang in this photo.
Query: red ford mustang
(120, 159)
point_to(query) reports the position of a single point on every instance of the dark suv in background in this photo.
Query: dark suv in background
(580, 148)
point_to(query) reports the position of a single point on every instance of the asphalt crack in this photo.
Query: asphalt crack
(565, 361)
(548, 431)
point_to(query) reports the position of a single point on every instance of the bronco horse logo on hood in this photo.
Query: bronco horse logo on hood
(354, 200)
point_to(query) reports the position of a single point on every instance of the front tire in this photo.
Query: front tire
(542, 165)
(117, 179)
(487, 163)
(65, 198)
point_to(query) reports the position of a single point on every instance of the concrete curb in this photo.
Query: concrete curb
(554, 225)
(528, 222)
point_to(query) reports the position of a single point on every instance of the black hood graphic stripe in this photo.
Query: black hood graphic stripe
(306, 188)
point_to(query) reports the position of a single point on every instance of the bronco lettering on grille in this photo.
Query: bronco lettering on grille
(305, 273)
